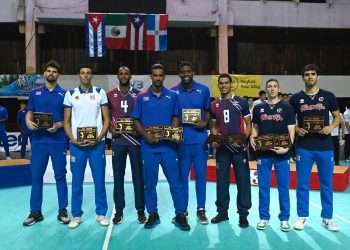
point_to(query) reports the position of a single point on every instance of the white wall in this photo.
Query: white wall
(8, 11)
(339, 85)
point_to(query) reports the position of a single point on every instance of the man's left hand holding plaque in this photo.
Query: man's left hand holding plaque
(87, 136)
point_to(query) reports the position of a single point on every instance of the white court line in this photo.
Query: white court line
(334, 215)
(109, 232)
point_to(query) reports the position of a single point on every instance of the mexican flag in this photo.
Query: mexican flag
(116, 25)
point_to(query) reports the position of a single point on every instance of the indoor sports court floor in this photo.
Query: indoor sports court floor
(49, 234)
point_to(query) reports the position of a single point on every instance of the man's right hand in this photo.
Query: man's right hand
(301, 131)
(32, 125)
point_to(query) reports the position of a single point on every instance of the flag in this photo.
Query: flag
(116, 31)
(136, 32)
(95, 34)
(157, 35)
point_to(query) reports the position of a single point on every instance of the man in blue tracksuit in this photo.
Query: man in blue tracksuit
(193, 151)
(274, 117)
(25, 131)
(158, 107)
(3, 135)
(314, 146)
(86, 107)
(47, 143)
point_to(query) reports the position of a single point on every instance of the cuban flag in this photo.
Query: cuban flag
(95, 34)
(157, 34)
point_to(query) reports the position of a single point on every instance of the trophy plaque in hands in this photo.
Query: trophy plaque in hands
(87, 134)
(125, 125)
(173, 134)
(191, 116)
(43, 120)
(156, 131)
(313, 124)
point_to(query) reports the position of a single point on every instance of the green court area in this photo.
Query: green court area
(49, 234)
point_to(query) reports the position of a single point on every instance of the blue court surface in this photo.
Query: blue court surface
(50, 235)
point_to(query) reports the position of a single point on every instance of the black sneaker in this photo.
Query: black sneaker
(220, 217)
(141, 217)
(33, 218)
(63, 216)
(202, 218)
(118, 217)
(153, 220)
(181, 222)
(243, 221)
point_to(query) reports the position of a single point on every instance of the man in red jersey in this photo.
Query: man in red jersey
(121, 101)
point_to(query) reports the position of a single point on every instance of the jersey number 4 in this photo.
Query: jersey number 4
(124, 105)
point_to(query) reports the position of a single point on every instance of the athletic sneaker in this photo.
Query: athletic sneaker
(202, 218)
(330, 225)
(8, 158)
(74, 222)
(262, 224)
(220, 217)
(299, 224)
(141, 217)
(63, 216)
(102, 220)
(243, 221)
(153, 220)
(181, 222)
(118, 217)
(33, 218)
(284, 226)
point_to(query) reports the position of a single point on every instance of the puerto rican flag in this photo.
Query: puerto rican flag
(157, 34)
(95, 34)
(136, 32)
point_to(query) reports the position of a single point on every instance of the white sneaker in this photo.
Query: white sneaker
(300, 224)
(284, 226)
(74, 222)
(330, 225)
(103, 220)
(8, 158)
(262, 224)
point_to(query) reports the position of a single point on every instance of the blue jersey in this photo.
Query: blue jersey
(3, 116)
(44, 100)
(318, 105)
(152, 110)
(198, 97)
(21, 120)
(273, 119)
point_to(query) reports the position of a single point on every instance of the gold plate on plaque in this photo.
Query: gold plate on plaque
(43, 120)
(191, 116)
(125, 125)
(87, 134)
(313, 124)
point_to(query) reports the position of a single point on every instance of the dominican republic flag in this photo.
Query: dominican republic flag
(95, 34)
(157, 35)
(136, 32)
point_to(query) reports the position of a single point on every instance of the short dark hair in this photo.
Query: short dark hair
(262, 92)
(309, 67)
(52, 64)
(185, 63)
(125, 67)
(225, 75)
(157, 66)
(85, 65)
(271, 80)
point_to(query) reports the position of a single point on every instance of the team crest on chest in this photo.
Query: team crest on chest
(76, 97)
(38, 93)
(321, 99)
(92, 97)
(301, 101)
(115, 95)
(279, 110)
(146, 98)
(262, 110)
